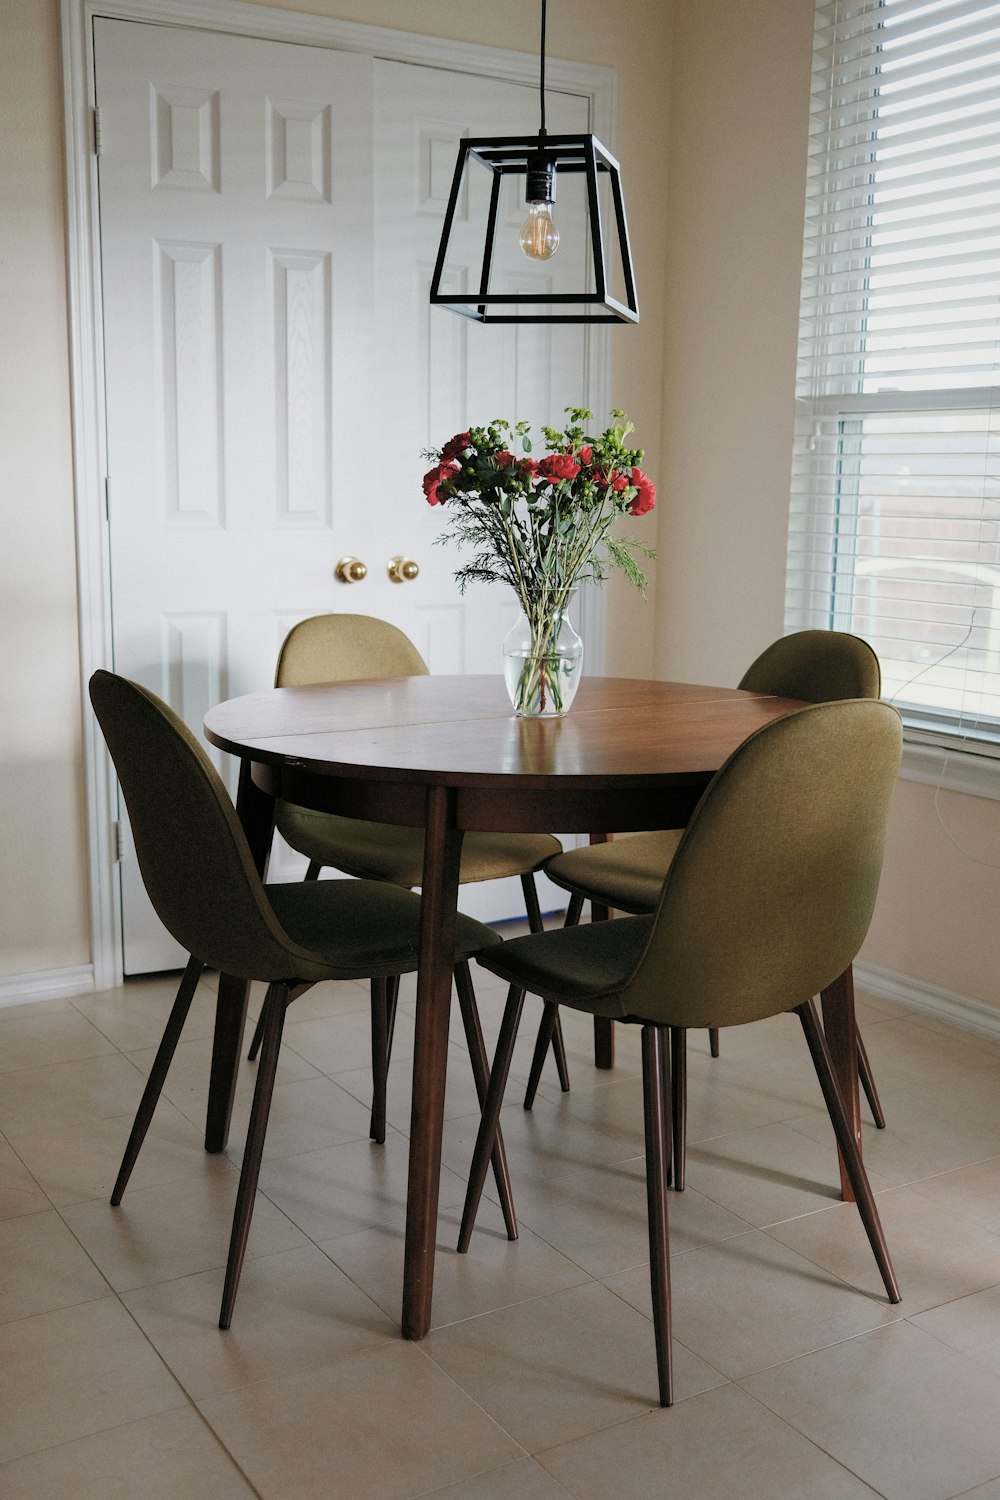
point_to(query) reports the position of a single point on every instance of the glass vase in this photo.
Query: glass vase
(542, 663)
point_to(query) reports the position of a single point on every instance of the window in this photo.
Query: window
(895, 516)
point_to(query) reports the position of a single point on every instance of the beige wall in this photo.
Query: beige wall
(713, 100)
(43, 908)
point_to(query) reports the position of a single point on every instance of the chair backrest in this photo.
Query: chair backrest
(345, 648)
(816, 666)
(192, 852)
(772, 888)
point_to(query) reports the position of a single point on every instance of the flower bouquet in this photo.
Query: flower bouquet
(543, 525)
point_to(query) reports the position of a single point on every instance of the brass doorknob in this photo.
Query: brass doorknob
(402, 569)
(351, 570)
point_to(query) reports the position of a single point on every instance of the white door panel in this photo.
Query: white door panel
(269, 219)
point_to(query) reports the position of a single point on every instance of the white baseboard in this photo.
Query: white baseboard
(945, 1005)
(45, 984)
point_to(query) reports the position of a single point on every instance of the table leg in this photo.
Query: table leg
(256, 813)
(604, 1030)
(842, 1039)
(438, 910)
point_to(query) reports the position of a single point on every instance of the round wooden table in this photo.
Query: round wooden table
(446, 754)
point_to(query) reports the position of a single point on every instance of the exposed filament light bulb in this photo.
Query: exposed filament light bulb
(539, 237)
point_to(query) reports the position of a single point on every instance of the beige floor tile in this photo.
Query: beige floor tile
(343, 1043)
(60, 1005)
(972, 1192)
(43, 1268)
(176, 1230)
(79, 1164)
(19, 1192)
(495, 1273)
(386, 1423)
(561, 1366)
(69, 1094)
(76, 1371)
(294, 1311)
(349, 1188)
(598, 1217)
(749, 1303)
(308, 1114)
(34, 1041)
(134, 1015)
(173, 1456)
(524, 1480)
(715, 1446)
(990, 1491)
(914, 1145)
(186, 1084)
(971, 1325)
(937, 1257)
(910, 1417)
(911, 1053)
(769, 1174)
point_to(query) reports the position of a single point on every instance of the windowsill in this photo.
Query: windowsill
(952, 770)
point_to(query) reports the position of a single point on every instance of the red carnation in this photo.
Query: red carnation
(613, 480)
(504, 460)
(455, 446)
(646, 498)
(528, 467)
(558, 466)
(435, 479)
(585, 454)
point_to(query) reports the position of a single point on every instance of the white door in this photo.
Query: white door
(269, 215)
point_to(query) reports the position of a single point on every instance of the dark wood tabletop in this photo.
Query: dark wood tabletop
(448, 755)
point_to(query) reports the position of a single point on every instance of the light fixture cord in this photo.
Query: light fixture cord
(541, 73)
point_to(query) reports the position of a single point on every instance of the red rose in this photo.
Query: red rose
(613, 480)
(435, 478)
(504, 460)
(455, 446)
(585, 454)
(558, 466)
(646, 498)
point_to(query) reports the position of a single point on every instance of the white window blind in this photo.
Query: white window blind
(895, 514)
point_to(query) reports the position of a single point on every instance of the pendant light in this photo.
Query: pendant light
(540, 160)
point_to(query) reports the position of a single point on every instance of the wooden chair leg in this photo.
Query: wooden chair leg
(312, 870)
(380, 1057)
(481, 1073)
(713, 1040)
(658, 1151)
(604, 1030)
(574, 911)
(554, 1036)
(848, 1146)
(275, 1005)
(158, 1073)
(868, 1084)
(678, 1101)
(391, 998)
(491, 1113)
(546, 1030)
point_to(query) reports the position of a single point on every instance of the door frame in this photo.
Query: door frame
(91, 490)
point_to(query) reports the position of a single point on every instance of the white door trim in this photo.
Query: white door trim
(599, 84)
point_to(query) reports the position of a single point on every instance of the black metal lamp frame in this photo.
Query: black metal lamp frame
(517, 155)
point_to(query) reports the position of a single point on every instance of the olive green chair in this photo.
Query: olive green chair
(198, 872)
(765, 903)
(815, 666)
(342, 648)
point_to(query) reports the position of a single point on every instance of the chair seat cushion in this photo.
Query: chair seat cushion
(626, 873)
(360, 929)
(380, 851)
(586, 967)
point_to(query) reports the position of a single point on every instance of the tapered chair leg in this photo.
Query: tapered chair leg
(713, 1040)
(258, 1037)
(868, 1084)
(678, 1102)
(848, 1146)
(380, 1057)
(481, 1074)
(658, 1151)
(491, 1113)
(275, 1005)
(158, 1073)
(553, 1024)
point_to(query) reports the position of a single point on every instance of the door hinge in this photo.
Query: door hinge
(116, 843)
(98, 132)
